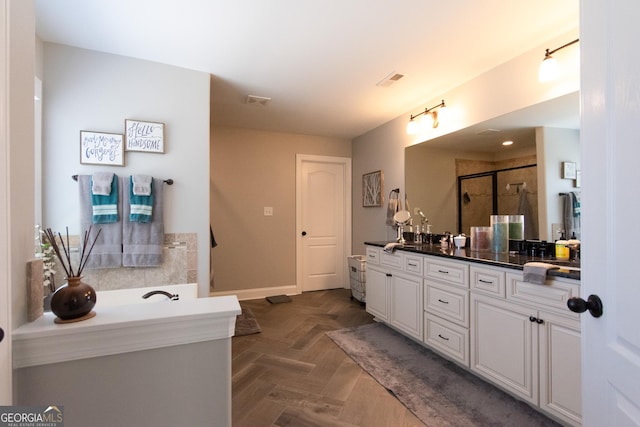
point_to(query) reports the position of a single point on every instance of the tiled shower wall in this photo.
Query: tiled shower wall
(179, 265)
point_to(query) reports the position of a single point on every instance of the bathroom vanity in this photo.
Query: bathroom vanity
(476, 310)
(164, 364)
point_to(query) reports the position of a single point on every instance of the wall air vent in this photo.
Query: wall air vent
(258, 100)
(390, 79)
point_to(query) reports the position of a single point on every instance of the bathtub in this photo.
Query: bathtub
(134, 295)
(130, 345)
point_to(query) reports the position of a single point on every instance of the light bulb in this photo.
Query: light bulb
(426, 122)
(412, 127)
(548, 69)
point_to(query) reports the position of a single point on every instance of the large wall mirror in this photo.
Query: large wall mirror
(458, 180)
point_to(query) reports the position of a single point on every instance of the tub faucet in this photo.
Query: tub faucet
(172, 297)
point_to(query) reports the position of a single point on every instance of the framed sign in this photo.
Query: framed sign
(569, 170)
(144, 136)
(100, 148)
(372, 189)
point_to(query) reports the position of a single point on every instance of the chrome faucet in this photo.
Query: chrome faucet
(172, 297)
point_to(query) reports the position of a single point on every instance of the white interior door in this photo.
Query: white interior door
(323, 219)
(610, 91)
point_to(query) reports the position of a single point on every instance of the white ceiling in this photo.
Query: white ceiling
(318, 60)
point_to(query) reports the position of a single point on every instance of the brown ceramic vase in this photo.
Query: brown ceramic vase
(73, 300)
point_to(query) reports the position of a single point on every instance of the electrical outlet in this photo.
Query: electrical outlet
(556, 230)
(268, 211)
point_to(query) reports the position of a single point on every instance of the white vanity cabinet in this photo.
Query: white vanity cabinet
(394, 290)
(517, 335)
(525, 340)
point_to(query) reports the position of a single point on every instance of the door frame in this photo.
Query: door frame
(346, 162)
(5, 266)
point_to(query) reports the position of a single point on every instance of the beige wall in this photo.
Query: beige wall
(251, 170)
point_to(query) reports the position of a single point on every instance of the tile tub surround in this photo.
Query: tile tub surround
(497, 259)
(179, 265)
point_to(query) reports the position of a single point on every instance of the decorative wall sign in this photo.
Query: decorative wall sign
(100, 148)
(569, 170)
(144, 136)
(372, 184)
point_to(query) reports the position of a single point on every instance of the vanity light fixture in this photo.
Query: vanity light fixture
(430, 119)
(549, 68)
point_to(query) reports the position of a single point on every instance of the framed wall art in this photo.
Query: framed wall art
(101, 148)
(372, 184)
(569, 170)
(144, 136)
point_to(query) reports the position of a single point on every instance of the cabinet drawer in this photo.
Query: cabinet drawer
(448, 338)
(487, 280)
(551, 296)
(373, 255)
(413, 264)
(447, 302)
(448, 271)
(394, 260)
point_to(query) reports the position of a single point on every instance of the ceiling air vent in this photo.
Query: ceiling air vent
(258, 100)
(489, 131)
(390, 79)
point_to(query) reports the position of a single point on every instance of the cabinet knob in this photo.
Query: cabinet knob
(1, 334)
(304, 233)
(593, 304)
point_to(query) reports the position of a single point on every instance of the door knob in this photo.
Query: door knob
(593, 304)
(304, 233)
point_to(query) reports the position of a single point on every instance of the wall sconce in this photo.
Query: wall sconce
(430, 119)
(549, 68)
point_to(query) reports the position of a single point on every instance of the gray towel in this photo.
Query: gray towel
(141, 185)
(101, 183)
(394, 206)
(570, 217)
(524, 208)
(536, 272)
(107, 252)
(143, 242)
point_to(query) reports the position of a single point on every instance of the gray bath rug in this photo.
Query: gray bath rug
(246, 323)
(437, 391)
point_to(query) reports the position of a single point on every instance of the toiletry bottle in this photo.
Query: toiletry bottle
(574, 247)
(562, 250)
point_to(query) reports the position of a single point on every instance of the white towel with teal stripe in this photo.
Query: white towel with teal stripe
(105, 208)
(141, 207)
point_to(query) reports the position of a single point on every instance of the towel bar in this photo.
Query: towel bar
(168, 181)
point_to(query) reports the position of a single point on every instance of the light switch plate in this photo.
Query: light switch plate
(268, 211)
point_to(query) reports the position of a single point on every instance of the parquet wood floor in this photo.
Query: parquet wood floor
(292, 374)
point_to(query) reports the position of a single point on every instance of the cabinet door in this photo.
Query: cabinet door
(504, 345)
(377, 292)
(406, 304)
(560, 368)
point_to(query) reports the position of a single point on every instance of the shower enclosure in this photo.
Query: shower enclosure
(512, 191)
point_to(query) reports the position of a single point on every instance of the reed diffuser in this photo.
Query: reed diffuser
(74, 300)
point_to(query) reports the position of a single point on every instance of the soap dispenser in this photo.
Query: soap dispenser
(562, 250)
(574, 247)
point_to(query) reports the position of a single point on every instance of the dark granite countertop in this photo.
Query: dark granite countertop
(507, 260)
